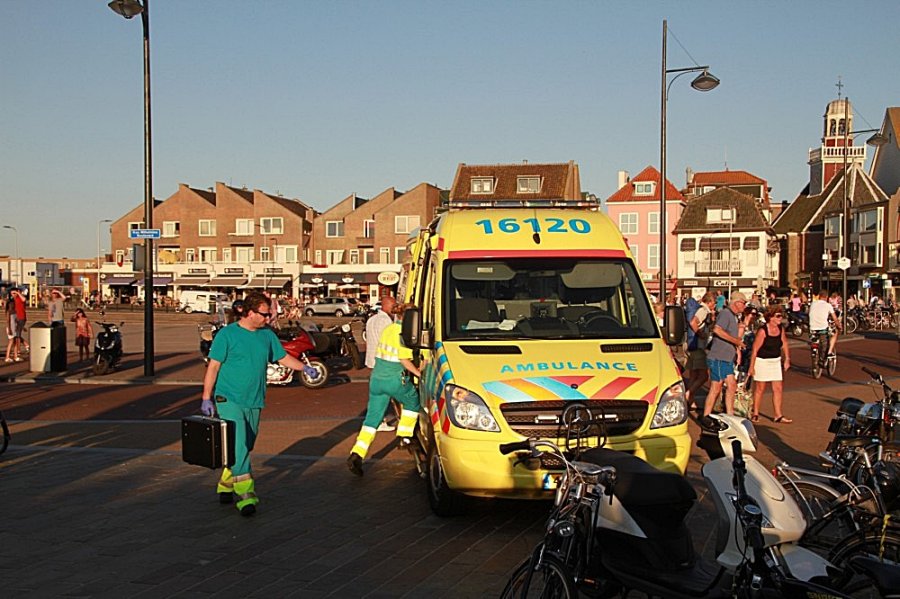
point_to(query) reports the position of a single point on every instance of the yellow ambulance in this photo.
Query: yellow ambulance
(526, 319)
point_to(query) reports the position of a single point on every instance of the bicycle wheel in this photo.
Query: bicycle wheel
(883, 545)
(831, 364)
(824, 527)
(4, 443)
(548, 580)
(814, 364)
(852, 324)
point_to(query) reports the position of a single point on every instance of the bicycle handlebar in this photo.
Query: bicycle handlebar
(508, 448)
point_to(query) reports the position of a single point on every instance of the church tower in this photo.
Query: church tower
(828, 159)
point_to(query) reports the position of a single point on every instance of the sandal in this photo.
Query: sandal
(782, 420)
(754, 418)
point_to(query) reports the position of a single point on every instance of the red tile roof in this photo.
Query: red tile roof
(726, 178)
(649, 174)
(558, 181)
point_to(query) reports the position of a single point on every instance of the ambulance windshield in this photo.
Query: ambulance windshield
(546, 298)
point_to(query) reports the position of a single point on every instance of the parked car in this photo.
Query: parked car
(337, 306)
(200, 301)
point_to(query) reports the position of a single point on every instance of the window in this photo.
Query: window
(369, 229)
(528, 184)
(644, 188)
(720, 215)
(334, 256)
(653, 255)
(334, 228)
(207, 228)
(207, 254)
(226, 254)
(868, 220)
(171, 228)
(286, 253)
(384, 255)
(628, 222)
(272, 224)
(264, 254)
(653, 223)
(189, 255)
(634, 252)
(135, 225)
(354, 256)
(405, 224)
(319, 257)
(482, 185)
(398, 254)
(120, 256)
(368, 256)
(243, 226)
(243, 253)
(833, 226)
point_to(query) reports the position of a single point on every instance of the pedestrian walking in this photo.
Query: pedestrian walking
(701, 316)
(20, 303)
(390, 378)
(769, 345)
(726, 342)
(236, 379)
(56, 308)
(12, 344)
(375, 326)
(84, 333)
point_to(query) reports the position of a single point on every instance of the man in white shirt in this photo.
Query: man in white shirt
(820, 312)
(374, 328)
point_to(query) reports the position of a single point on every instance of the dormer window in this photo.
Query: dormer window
(528, 184)
(645, 188)
(720, 215)
(482, 185)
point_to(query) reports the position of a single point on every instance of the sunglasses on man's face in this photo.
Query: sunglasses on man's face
(264, 314)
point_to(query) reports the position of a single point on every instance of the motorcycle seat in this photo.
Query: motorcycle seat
(850, 406)
(854, 440)
(638, 484)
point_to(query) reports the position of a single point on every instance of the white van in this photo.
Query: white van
(200, 301)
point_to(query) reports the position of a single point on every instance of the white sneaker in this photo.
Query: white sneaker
(384, 427)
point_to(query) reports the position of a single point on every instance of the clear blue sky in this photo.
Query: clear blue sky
(318, 100)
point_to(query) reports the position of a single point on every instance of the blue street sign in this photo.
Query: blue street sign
(144, 234)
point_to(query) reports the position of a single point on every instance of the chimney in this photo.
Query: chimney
(689, 176)
(623, 179)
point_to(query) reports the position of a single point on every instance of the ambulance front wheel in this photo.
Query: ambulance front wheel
(444, 501)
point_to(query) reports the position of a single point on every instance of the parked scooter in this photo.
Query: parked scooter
(618, 525)
(207, 333)
(304, 346)
(107, 347)
(797, 323)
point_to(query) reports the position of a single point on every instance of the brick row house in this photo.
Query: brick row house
(885, 171)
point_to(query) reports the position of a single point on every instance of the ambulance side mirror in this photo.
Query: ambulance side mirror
(673, 325)
(411, 328)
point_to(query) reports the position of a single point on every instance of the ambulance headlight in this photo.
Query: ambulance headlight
(468, 410)
(672, 407)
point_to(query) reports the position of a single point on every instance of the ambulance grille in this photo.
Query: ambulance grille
(626, 347)
(544, 418)
(491, 349)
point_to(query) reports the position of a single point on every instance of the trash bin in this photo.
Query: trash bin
(48, 347)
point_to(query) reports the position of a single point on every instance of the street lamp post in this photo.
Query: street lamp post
(703, 82)
(18, 261)
(876, 140)
(130, 9)
(731, 215)
(99, 222)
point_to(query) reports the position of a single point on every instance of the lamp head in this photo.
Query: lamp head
(877, 140)
(705, 81)
(126, 8)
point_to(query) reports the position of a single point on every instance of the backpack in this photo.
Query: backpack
(700, 339)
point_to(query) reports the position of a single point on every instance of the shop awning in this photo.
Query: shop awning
(157, 281)
(273, 282)
(119, 280)
(191, 280)
(226, 282)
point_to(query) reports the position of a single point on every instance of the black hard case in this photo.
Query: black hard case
(207, 442)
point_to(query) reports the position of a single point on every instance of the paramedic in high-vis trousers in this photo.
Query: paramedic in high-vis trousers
(390, 378)
(235, 387)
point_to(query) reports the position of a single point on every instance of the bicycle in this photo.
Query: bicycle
(820, 360)
(6, 436)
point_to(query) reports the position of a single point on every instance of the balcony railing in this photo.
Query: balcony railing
(719, 267)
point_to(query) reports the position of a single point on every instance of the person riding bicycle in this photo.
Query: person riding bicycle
(820, 313)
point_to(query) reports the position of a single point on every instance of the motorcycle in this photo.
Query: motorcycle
(618, 525)
(797, 322)
(344, 345)
(860, 424)
(306, 347)
(207, 333)
(107, 347)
